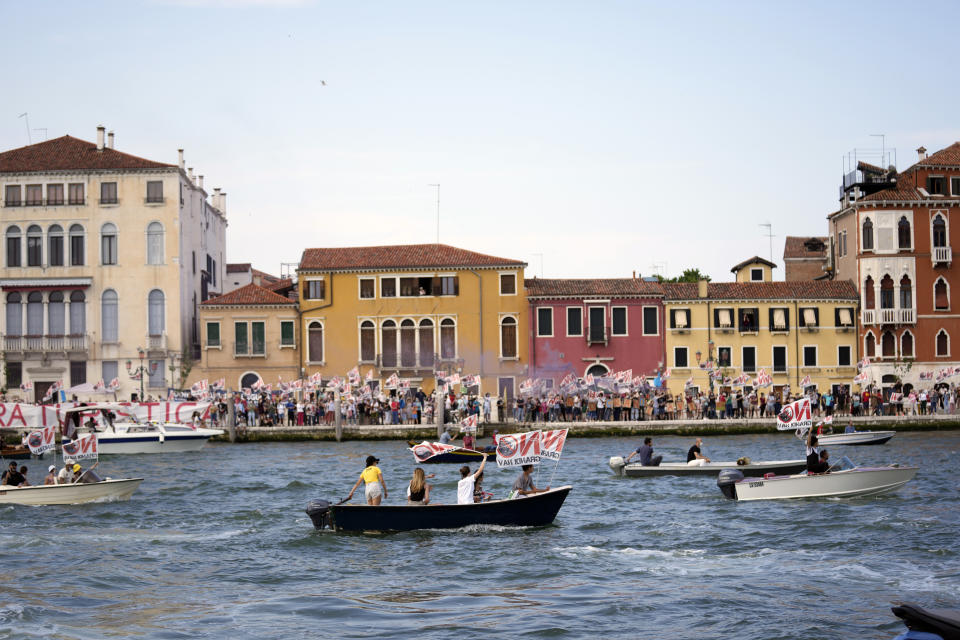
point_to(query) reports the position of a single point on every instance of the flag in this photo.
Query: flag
(82, 448)
(863, 364)
(551, 443)
(517, 449)
(170, 394)
(454, 379)
(795, 415)
(41, 440)
(403, 384)
(426, 450)
(440, 375)
(392, 381)
(200, 386)
(689, 382)
(114, 384)
(26, 386)
(666, 374)
(257, 384)
(588, 380)
(470, 381)
(354, 375)
(806, 382)
(527, 386)
(469, 424)
(99, 386)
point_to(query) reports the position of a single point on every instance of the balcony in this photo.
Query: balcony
(888, 316)
(44, 344)
(941, 255)
(157, 342)
(598, 334)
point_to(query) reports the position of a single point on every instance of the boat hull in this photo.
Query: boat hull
(141, 443)
(855, 438)
(107, 490)
(754, 469)
(533, 511)
(862, 481)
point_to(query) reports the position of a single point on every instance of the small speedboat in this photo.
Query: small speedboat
(942, 623)
(91, 488)
(460, 456)
(844, 480)
(133, 436)
(855, 438)
(14, 452)
(532, 511)
(759, 468)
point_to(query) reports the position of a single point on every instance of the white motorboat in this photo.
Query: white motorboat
(844, 480)
(759, 468)
(133, 436)
(855, 438)
(76, 493)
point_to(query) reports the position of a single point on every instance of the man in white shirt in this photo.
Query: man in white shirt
(467, 480)
(66, 474)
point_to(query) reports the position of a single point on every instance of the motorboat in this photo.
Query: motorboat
(747, 468)
(131, 435)
(90, 488)
(844, 480)
(460, 456)
(14, 451)
(941, 623)
(855, 438)
(531, 511)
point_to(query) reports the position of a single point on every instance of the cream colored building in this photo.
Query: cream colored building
(105, 254)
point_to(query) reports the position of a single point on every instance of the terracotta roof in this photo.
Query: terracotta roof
(410, 256)
(753, 260)
(238, 267)
(870, 168)
(906, 187)
(265, 278)
(947, 156)
(249, 295)
(279, 284)
(796, 247)
(799, 290)
(549, 288)
(69, 154)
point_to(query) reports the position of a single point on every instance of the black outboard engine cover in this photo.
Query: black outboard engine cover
(319, 512)
(727, 481)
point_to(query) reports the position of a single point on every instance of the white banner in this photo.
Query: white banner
(426, 450)
(795, 415)
(42, 440)
(551, 443)
(82, 448)
(18, 415)
(518, 449)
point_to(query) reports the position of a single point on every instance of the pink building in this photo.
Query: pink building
(594, 326)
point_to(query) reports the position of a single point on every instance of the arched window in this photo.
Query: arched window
(888, 345)
(508, 337)
(408, 343)
(14, 314)
(903, 233)
(13, 246)
(315, 342)
(596, 370)
(368, 341)
(939, 231)
(426, 343)
(906, 344)
(108, 243)
(869, 293)
(34, 246)
(154, 243)
(943, 343)
(388, 343)
(56, 317)
(156, 316)
(906, 293)
(34, 313)
(868, 235)
(78, 313)
(248, 380)
(448, 339)
(55, 245)
(869, 345)
(886, 292)
(941, 295)
(76, 246)
(109, 316)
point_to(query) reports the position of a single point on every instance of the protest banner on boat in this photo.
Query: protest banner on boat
(517, 449)
(83, 448)
(551, 443)
(795, 415)
(426, 450)
(42, 440)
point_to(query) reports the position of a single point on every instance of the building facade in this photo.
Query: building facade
(412, 310)
(106, 256)
(594, 326)
(805, 258)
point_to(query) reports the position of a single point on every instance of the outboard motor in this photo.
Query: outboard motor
(617, 464)
(319, 512)
(727, 481)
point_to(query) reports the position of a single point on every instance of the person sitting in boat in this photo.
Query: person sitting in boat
(66, 474)
(816, 463)
(467, 482)
(77, 472)
(850, 428)
(523, 485)
(418, 491)
(468, 441)
(375, 489)
(647, 459)
(479, 495)
(445, 437)
(13, 478)
(51, 475)
(694, 457)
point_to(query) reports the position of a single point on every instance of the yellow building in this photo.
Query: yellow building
(248, 334)
(412, 310)
(788, 329)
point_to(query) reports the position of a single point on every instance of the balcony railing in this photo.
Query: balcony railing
(40, 344)
(888, 316)
(597, 334)
(942, 255)
(157, 342)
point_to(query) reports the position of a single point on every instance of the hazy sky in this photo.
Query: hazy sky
(606, 136)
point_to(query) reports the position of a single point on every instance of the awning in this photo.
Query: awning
(724, 317)
(680, 318)
(810, 317)
(845, 318)
(33, 284)
(779, 319)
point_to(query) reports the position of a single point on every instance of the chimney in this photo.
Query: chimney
(701, 288)
(922, 153)
(110, 140)
(180, 158)
(190, 173)
(100, 130)
(634, 274)
(216, 197)
(200, 181)
(223, 203)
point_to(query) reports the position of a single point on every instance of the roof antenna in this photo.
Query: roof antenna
(769, 234)
(27, 119)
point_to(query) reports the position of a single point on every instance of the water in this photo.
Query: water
(216, 544)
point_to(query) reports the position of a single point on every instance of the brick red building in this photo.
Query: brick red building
(804, 258)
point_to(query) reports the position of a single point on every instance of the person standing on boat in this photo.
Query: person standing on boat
(647, 459)
(694, 456)
(523, 485)
(816, 463)
(375, 489)
(467, 481)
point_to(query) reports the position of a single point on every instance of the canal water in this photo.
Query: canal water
(216, 544)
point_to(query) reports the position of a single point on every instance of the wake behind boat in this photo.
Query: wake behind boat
(750, 469)
(532, 511)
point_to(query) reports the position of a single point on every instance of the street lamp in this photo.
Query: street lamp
(139, 371)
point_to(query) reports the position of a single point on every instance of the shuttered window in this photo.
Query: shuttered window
(724, 318)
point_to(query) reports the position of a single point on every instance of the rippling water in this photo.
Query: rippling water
(216, 544)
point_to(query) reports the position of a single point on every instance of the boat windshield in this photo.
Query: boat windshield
(90, 476)
(844, 464)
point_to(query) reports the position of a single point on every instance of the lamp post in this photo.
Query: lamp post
(709, 361)
(139, 371)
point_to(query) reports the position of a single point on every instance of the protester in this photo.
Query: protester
(694, 456)
(375, 489)
(523, 485)
(51, 475)
(418, 491)
(465, 486)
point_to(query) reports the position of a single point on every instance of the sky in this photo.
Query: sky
(589, 139)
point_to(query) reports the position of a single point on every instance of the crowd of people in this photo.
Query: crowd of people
(71, 472)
